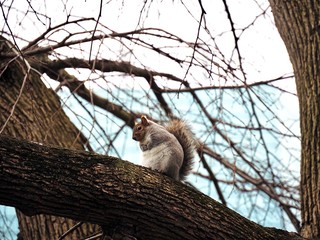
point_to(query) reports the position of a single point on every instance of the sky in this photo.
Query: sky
(264, 54)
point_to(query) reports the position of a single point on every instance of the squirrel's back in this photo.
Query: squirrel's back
(187, 140)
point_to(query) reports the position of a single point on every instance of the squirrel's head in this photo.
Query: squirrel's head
(139, 130)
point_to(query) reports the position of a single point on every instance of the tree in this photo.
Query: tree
(298, 24)
(238, 152)
(30, 111)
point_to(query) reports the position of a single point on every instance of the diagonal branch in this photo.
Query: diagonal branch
(51, 68)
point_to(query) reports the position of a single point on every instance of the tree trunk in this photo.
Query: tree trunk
(29, 110)
(113, 192)
(299, 25)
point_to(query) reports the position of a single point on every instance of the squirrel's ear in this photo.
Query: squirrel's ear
(144, 120)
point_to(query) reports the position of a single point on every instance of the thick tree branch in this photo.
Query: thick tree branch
(107, 191)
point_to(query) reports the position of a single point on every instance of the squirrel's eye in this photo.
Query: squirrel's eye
(139, 128)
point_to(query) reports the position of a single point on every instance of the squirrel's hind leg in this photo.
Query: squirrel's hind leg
(172, 171)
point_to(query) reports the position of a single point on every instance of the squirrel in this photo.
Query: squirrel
(170, 150)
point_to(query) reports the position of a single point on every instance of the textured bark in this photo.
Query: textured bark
(299, 25)
(112, 192)
(29, 110)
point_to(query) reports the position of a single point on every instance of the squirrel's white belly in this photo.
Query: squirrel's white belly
(157, 158)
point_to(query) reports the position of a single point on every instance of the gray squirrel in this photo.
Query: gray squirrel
(170, 150)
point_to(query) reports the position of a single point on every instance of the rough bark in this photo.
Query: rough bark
(112, 192)
(299, 25)
(29, 110)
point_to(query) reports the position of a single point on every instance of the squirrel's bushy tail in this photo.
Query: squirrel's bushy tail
(187, 140)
